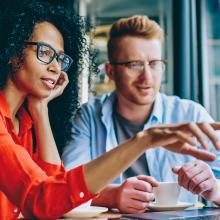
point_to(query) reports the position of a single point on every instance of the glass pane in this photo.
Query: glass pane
(103, 13)
(211, 14)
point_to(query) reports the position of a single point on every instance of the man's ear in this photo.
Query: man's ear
(109, 69)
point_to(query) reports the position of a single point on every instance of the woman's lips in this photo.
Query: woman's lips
(48, 82)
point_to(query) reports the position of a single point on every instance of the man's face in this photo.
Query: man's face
(137, 82)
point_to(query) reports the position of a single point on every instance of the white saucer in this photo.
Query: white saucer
(179, 206)
(89, 212)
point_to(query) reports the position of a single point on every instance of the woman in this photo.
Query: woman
(33, 72)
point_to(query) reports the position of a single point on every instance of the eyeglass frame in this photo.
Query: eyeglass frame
(56, 55)
(126, 63)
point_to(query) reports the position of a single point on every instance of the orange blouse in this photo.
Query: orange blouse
(28, 184)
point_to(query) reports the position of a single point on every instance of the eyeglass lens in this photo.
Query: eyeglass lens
(47, 54)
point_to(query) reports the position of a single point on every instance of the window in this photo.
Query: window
(211, 56)
(103, 13)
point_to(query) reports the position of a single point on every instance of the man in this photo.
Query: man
(136, 66)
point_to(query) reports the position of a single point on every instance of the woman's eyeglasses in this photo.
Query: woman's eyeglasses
(46, 54)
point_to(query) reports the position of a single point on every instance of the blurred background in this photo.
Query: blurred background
(191, 47)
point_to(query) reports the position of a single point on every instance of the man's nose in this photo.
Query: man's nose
(147, 73)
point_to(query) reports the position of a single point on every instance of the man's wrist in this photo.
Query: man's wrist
(217, 200)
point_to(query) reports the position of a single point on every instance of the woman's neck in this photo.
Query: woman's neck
(14, 97)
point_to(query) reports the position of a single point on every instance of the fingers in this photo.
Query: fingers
(205, 187)
(211, 134)
(138, 205)
(148, 179)
(187, 149)
(143, 190)
(195, 130)
(142, 196)
(63, 78)
(176, 169)
(203, 155)
(197, 153)
(184, 137)
(143, 186)
(186, 173)
(196, 184)
(184, 133)
(201, 129)
(62, 82)
(216, 125)
(196, 177)
(135, 194)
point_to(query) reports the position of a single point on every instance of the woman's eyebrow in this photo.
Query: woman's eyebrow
(60, 51)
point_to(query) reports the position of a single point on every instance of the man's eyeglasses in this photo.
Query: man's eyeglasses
(46, 54)
(139, 65)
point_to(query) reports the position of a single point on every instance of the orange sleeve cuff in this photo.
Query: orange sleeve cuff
(81, 192)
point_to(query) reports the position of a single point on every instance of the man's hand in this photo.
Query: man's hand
(198, 178)
(135, 193)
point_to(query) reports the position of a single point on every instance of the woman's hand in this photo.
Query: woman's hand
(180, 138)
(37, 105)
(59, 87)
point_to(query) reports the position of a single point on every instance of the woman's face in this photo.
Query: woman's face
(35, 77)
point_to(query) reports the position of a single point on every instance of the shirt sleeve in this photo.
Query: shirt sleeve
(31, 189)
(50, 169)
(78, 151)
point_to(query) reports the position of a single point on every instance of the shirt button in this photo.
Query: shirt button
(81, 195)
(15, 210)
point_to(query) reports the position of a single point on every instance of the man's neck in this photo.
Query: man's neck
(137, 114)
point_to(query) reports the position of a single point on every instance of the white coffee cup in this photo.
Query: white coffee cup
(167, 193)
(83, 206)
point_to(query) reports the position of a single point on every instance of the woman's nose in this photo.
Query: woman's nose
(54, 66)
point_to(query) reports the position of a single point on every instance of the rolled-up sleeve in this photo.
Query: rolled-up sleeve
(50, 169)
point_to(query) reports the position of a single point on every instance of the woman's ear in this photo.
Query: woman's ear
(14, 63)
(13, 60)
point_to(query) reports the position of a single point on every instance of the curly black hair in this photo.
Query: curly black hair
(17, 22)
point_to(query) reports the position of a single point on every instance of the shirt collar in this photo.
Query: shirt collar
(24, 117)
(157, 111)
(107, 108)
(108, 103)
(4, 106)
(156, 114)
